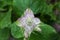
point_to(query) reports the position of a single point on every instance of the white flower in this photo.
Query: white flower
(29, 22)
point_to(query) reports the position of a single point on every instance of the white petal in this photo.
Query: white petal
(37, 29)
(27, 31)
(36, 21)
(28, 13)
(21, 21)
(18, 23)
(26, 34)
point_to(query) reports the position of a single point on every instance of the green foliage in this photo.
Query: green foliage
(47, 33)
(5, 19)
(21, 5)
(37, 6)
(11, 10)
(58, 16)
(16, 31)
(4, 34)
(58, 5)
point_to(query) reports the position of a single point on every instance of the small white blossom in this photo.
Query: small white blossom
(29, 22)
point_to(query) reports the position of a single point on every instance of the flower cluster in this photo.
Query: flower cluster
(29, 22)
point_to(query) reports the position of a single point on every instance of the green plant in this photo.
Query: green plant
(11, 10)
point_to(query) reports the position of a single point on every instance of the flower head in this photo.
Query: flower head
(29, 22)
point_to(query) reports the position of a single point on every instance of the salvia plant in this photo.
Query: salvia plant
(29, 19)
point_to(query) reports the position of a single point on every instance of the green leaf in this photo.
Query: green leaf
(47, 9)
(16, 31)
(47, 33)
(21, 5)
(8, 1)
(4, 34)
(5, 19)
(58, 5)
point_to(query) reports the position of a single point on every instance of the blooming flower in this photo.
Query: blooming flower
(29, 22)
